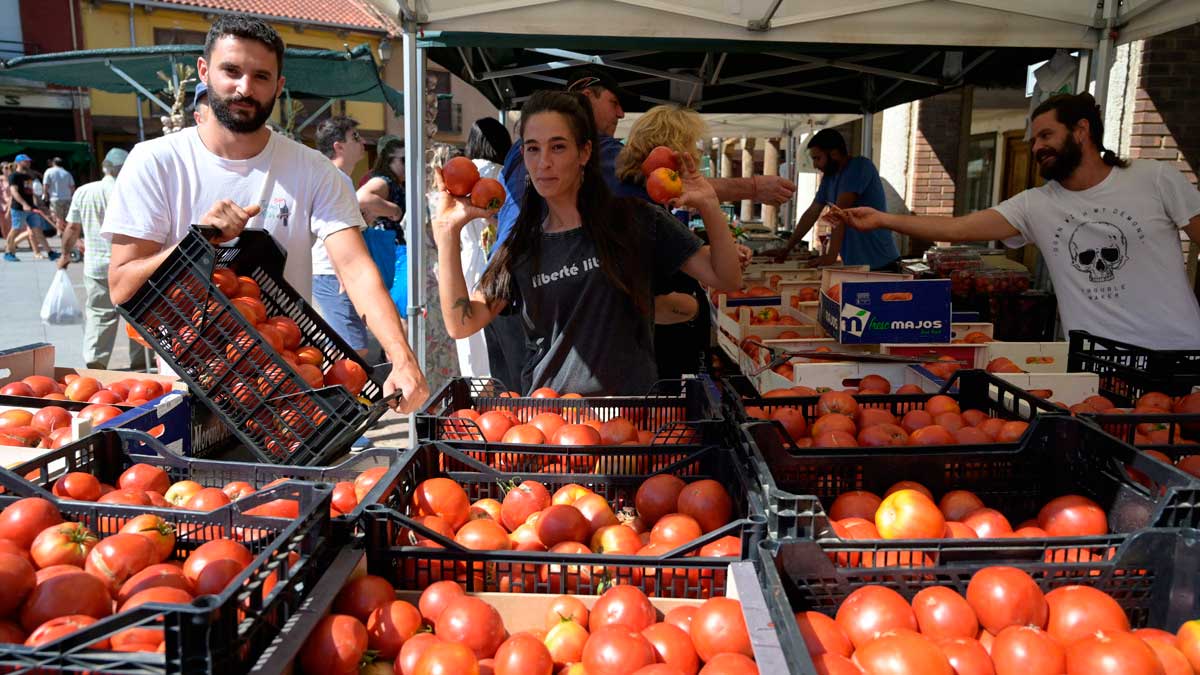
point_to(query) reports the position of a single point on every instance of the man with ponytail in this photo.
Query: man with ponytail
(1108, 230)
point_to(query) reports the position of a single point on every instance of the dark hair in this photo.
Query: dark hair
(828, 140)
(606, 220)
(57, 161)
(488, 140)
(248, 28)
(383, 161)
(1069, 109)
(333, 130)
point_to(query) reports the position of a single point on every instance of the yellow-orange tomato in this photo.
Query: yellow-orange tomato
(908, 514)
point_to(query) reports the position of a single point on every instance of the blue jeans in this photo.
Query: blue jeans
(399, 288)
(20, 218)
(338, 311)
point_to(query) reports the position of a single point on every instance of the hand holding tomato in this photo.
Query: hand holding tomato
(450, 213)
(698, 194)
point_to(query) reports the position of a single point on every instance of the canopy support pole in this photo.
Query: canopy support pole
(315, 115)
(1105, 51)
(138, 87)
(414, 168)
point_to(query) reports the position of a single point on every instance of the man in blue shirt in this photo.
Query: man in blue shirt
(847, 182)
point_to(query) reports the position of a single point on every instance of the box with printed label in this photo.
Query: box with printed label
(886, 310)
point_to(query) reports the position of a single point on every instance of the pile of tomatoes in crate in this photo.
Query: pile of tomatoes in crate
(50, 426)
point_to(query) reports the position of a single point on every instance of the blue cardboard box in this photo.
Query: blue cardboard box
(892, 311)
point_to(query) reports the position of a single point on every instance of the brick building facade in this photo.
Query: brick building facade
(1165, 125)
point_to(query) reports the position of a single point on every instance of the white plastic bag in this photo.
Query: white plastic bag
(61, 307)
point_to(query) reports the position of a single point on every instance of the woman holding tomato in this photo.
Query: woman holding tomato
(581, 266)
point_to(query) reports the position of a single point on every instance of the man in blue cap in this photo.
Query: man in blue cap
(20, 187)
(85, 217)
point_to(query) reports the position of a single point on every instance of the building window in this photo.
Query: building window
(449, 113)
(176, 36)
(981, 171)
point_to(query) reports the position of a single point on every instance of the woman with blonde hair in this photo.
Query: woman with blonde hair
(682, 323)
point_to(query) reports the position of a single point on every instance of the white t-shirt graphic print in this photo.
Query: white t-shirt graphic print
(169, 183)
(1114, 254)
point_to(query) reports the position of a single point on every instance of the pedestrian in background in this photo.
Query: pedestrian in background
(21, 192)
(84, 217)
(57, 186)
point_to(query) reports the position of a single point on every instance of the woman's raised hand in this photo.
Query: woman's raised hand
(698, 194)
(450, 213)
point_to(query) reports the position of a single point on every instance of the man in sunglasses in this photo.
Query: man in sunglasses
(1108, 229)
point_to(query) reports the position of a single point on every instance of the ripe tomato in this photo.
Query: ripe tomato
(565, 641)
(145, 477)
(936, 405)
(1011, 432)
(908, 514)
(1027, 650)
(155, 576)
(834, 664)
(966, 656)
(882, 435)
(1073, 516)
(943, 613)
(988, 523)
(576, 434)
(206, 499)
(596, 511)
(831, 422)
(50, 418)
(524, 434)
(72, 591)
(855, 504)
(658, 496)
(63, 544)
(823, 635)
(367, 480)
(390, 625)
(412, 651)
(956, 530)
(616, 650)
(61, 626)
(1079, 611)
(77, 485)
(116, 558)
(674, 530)
(682, 618)
(618, 430)
(625, 605)
(548, 423)
(915, 419)
(793, 421)
(486, 509)
(363, 595)
(24, 519)
(1173, 661)
(974, 418)
(1006, 596)
(523, 501)
(82, 388)
(570, 608)
(343, 497)
(436, 596)
(730, 664)
(560, 523)
(523, 654)
(1111, 653)
(494, 424)
(335, 646)
(1188, 642)
(708, 502)
(472, 622)
(347, 373)
(871, 610)
(836, 402)
(903, 651)
(18, 579)
(934, 434)
(164, 594)
(957, 504)
(719, 626)
(483, 535)
(216, 549)
(672, 646)
(444, 498)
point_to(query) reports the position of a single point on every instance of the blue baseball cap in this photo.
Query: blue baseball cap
(201, 90)
(22, 158)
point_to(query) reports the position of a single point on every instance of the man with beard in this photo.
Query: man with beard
(846, 182)
(232, 172)
(1108, 230)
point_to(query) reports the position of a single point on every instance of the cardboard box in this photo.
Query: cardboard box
(1033, 357)
(879, 308)
(839, 375)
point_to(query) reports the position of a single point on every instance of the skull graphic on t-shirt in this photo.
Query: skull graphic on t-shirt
(1099, 249)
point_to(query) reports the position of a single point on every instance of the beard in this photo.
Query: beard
(240, 121)
(1062, 163)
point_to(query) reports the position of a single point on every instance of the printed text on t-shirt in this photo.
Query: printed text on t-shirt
(541, 279)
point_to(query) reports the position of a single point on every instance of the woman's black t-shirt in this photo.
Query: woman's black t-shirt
(586, 335)
(395, 196)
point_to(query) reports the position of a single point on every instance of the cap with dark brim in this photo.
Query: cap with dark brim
(579, 79)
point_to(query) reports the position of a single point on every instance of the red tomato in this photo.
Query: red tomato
(50, 418)
(335, 646)
(560, 523)
(389, 626)
(524, 434)
(347, 373)
(708, 502)
(523, 501)
(548, 423)
(618, 430)
(62, 626)
(72, 591)
(966, 656)
(363, 595)
(155, 576)
(836, 402)
(576, 434)
(596, 511)
(855, 504)
(77, 485)
(343, 497)
(1188, 642)
(1079, 611)
(436, 596)
(658, 496)
(871, 610)
(957, 504)
(22, 520)
(18, 579)
(616, 650)
(908, 514)
(1111, 653)
(544, 392)
(447, 658)
(412, 651)
(63, 544)
(145, 477)
(882, 435)
(570, 608)
(207, 499)
(366, 481)
(1006, 596)
(483, 535)
(81, 389)
(681, 617)
(822, 634)
(672, 646)
(1073, 516)
(494, 424)
(163, 594)
(674, 530)
(472, 622)
(915, 419)
(1173, 661)
(216, 549)
(730, 664)
(833, 664)
(116, 558)
(988, 523)
(902, 651)
(444, 498)
(943, 613)
(523, 654)
(719, 626)
(793, 421)
(625, 605)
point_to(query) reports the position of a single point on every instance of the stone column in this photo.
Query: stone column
(747, 172)
(770, 214)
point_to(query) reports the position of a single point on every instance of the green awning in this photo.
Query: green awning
(73, 152)
(325, 73)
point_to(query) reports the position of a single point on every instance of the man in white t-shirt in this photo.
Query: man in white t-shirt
(1108, 230)
(58, 185)
(232, 172)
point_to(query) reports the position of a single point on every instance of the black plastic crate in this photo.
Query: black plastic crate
(108, 452)
(1152, 575)
(196, 330)
(1128, 371)
(677, 573)
(678, 411)
(221, 633)
(1059, 455)
(973, 389)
